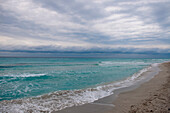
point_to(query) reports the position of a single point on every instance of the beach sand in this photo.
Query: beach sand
(151, 96)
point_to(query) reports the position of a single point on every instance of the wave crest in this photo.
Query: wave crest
(25, 75)
(61, 99)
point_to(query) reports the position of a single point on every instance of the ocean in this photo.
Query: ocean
(47, 84)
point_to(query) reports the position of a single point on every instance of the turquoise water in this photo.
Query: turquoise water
(52, 84)
(27, 77)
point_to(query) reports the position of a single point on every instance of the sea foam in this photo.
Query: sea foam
(113, 63)
(25, 75)
(62, 99)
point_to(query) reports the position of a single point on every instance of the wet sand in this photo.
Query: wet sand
(151, 96)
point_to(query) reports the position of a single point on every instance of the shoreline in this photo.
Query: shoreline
(146, 98)
(129, 98)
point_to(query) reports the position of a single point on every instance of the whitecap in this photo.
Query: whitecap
(24, 75)
(62, 99)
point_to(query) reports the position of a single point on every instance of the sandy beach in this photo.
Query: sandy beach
(150, 96)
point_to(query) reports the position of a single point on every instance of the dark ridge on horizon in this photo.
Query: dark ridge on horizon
(28, 51)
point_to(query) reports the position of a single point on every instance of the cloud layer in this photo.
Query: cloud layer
(85, 25)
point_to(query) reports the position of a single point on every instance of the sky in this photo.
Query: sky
(85, 28)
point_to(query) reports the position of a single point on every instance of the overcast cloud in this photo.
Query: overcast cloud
(85, 25)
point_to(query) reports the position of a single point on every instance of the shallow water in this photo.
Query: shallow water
(56, 83)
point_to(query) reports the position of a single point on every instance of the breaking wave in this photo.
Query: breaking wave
(62, 99)
(25, 75)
